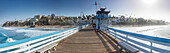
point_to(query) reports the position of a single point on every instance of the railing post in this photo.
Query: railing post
(115, 34)
(80, 27)
(108, 31)
(126, 38)
(28, 45)
(151, 47)
(134, 40)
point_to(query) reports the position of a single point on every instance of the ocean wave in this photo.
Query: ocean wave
(156, 31)
(4, 38)
(8, 28)
(32, 33)
(24, 30)
(145, 30)
(10, 34)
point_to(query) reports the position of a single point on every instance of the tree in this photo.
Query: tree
(74, 18)
(93, 16)
(52, 16)
(27, 22)
(123, 18)
(66, 18)
(88, 17)
(83, 17)
(79, 17)
(113, 17)
(43, 17)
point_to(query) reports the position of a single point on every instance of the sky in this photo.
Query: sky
(11, 10)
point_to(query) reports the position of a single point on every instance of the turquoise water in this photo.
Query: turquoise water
(10, 34)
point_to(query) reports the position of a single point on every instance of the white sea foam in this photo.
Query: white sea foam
(9, 28)
(4, 38)
(146, 30)
(14, 34)
(33, 33)
(10, 40)
(24, 30)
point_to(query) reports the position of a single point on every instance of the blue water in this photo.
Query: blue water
(162, 31)
(10, 34)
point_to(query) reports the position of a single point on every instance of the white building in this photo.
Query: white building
(60, 17)
(21, 21)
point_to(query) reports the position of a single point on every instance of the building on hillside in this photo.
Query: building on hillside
(62, 17)
(21, 21)
(69, 21)
(34, 20)
(28, 19)
(38, 16)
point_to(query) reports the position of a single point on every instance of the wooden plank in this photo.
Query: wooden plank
(47, 47)
(85, 41)
(128, 47)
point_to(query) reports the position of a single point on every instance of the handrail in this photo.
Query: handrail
(136, 40)
(30, 39)
(143, 36)
(32, 42)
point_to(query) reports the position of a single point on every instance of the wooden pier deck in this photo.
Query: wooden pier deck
(87, 40)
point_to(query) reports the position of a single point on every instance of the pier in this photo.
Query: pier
(85, 39)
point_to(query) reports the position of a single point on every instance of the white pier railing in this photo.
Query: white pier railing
(144, 43)
(32, 44)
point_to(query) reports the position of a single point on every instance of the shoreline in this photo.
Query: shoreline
(46, 26)
(120, 26)
(71, 26)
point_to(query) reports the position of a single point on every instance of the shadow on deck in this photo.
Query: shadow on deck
(86, 30)
(88, 40)
(108, 41)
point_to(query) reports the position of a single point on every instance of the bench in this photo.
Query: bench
(128, 47)
(46, 48)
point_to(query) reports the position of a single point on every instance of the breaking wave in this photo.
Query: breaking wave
(4, 38)
(10, 34)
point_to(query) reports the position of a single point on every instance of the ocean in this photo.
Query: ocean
(162, 31)
(10, 34)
